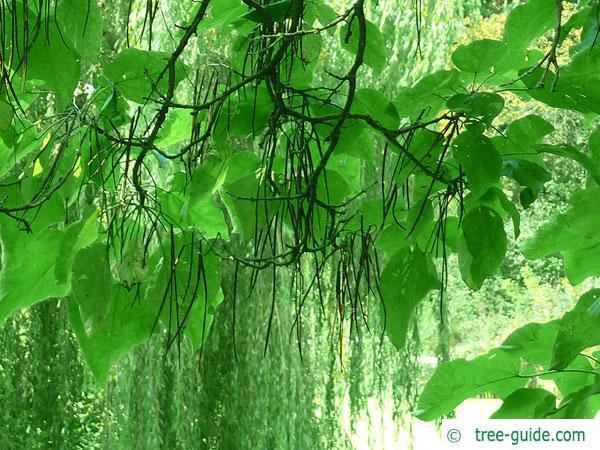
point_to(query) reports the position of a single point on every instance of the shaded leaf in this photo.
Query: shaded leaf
(136, 74)
(480, 159)
(406, 279)
(578, 330)
(482, 245)
(526, 403)
(455, 381)
(376, 55)
(478, 56)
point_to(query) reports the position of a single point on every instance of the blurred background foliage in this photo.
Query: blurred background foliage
(304, 392)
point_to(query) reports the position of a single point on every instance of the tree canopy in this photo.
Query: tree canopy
(142, 184)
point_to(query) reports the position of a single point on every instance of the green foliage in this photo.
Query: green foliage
(82, 25)
(482, 245)
(480, 160)
(526, 403)
(139, 75)
(578, 331)
(572, 233)
(547, 351)
(406, 279)
(375, 53)
(528, 21)
(195, 154)
(24, 284)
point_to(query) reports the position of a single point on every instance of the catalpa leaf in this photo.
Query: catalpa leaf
(529, 21)
(477, 104)
(573, 233)
(406, 279)
(82, 25)
(273, 12)
(581, 404)
(482, 245)
(91, 286)
(480, 160)
(28, 266)
(6, 115)
(128, 322)
(375, 54)
(526, 403)
(455, 381)
(375, 104)
(498, 371)
(140, 75)
(528, 130)
(579, 330)
(54, 63)
(478, 56)
(529, 175)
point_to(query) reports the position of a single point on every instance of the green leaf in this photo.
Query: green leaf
(55, 64)
(574, 88)
(528, 130)
(81, 24)
(582, 263)
(428, 96)
(425, 145)
(355, 140)
(273, 12)
(136, 73)
(529, 21)
(127, 323)
(374, 103)
(332, 188)
(482, 245)
(578, 330)
(240, 165)
(477, 104)
(325, 14)
(6, 116)
(301, 73)
(412, 224)
(574, 233)
(497, 371)
(206, 217)
(208, 178)
(375, 55)
(91, 286)
(582, 404)
(526, 404)
(594, 148)
(177, 128)
(510, 208)
(78, 236)
(406, 279)
(569, 383)
(529, 175)
(17, 142)
(478, 56)
(532, 343)
(252, 113)
(455, 381)
(22, 283)
(480, 160)
(224, 13)
(95, 151)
